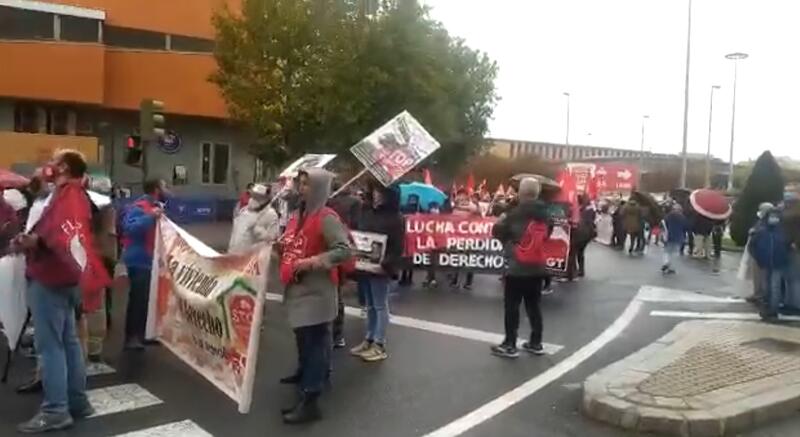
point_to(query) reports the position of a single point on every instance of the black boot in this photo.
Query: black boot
(306, 410)
(293, 379)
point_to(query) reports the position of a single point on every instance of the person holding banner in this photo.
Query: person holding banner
(256, 223)
(382, 217)
(315, 243)
(523, 231)
(58, 249)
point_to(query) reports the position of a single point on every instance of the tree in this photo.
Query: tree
(319, 75)
(765, 184)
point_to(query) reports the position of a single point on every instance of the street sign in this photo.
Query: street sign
(611, 177)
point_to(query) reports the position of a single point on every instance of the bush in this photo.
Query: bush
(765, 184)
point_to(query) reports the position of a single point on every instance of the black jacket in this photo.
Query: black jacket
(510, 229)
(348, 207)
(388, 221)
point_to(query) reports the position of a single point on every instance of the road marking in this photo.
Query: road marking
(440, 328)
(121, 398)
(96, 369)
(721, 316)
(507, 400)
(185, 428)
(649, 293)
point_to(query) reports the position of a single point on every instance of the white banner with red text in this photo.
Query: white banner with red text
(206, 308)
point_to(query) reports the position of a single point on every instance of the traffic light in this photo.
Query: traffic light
(151, 119)
(133, 150)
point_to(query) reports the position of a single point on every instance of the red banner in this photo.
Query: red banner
(450, 241)
(611, 177)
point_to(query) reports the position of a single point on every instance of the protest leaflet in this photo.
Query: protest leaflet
(370, 250)
(457, 242)
(206, 308)
(307, 161)
(395, 148)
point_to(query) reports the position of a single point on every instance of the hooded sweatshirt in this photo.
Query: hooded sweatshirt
(386, 220)
(314, 230)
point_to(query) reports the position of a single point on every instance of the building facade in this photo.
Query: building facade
(75, 71)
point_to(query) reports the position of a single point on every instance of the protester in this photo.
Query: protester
(702, 228)
(632, 223)
(750, 268)
(348, 205)
(464, 207)
(430, 276)
(618, 240)
(104, 231)
(583, 234)
(675, 224)
(54, 269)
(139, 228)
(412, 206)
(523, 231)
(383, 217)
(314, 244)
(771, 248)
(244, 200)
(256, 223)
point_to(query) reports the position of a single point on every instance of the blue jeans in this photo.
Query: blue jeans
(775, 283)
(61, 358)
(377, 294)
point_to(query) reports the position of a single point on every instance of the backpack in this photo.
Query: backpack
(530, 249)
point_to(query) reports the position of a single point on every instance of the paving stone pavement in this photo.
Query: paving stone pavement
(704, 378)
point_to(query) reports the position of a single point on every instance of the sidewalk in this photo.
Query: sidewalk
(704, 378)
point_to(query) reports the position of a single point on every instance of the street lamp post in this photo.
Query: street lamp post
(708, 150)
(735, 57)
(641, 154)
(566, 141)
(684, 163)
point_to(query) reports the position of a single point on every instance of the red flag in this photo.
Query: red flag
(470, 184)
(568, 193)
(426, 175)
(591, 188)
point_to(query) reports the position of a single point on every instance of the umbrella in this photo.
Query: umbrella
(427, 194)
(9, 179)
(543, 180)
(710, 204)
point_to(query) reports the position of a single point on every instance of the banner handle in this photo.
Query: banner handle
(350, 182)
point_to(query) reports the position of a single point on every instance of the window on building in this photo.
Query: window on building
(78, 29)
(26, 118)
(25, 24)
(215, 163)
(182, 43)
(58, 121)
(134, 38)
(83, 123)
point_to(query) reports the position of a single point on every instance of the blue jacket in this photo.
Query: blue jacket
(138, 232)
(676, 224)
(770, 247)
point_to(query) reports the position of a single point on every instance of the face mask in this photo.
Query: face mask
(773, 220)
(49, 173)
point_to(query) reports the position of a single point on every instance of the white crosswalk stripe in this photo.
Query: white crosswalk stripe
(185, 428)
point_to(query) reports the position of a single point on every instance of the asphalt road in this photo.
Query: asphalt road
(431, 378)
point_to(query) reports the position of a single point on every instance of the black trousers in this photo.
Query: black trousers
(338, 322)
(138, 300)
(577, 259)
(313, 356)
(519, 289)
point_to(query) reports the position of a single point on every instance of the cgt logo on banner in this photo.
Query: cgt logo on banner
(206, 308)
(456, 242)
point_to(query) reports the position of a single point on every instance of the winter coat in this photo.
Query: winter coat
(256, 223)
(677, 226)
(312, 299)
(348, 207)
(138, 230)
(770, 247)
(586, 230)
(509, 230)
(632, 218)
(388, 221)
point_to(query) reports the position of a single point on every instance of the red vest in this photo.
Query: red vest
(303, 243)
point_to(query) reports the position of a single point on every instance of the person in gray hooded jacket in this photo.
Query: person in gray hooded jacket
(315, 243)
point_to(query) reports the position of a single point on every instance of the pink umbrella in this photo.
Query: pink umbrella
(710, 204)
(9, 179)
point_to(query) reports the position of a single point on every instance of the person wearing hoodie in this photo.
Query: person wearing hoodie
(771, 248)
(315, 243)
(256, 223)
(382, 217)
(523, 232)
(139, 233)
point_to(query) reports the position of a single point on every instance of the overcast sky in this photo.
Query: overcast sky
(621, 59)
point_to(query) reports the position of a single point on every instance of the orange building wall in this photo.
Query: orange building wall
(179, 80)
(38, 148)
(52, 71)
(180, 17)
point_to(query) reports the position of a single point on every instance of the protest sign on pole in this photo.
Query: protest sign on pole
(450, 241)
(395, 148)
(206, 308)
(307, 161)
(370, 248)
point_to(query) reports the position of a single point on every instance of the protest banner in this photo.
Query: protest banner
(206, 308)
(370, 248)
(395, 148)
(450, 241)
(307, 161)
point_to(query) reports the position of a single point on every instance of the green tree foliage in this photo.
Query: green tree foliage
(319, 75)
(765, 184)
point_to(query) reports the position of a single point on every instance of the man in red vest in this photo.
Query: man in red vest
(59, 251)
